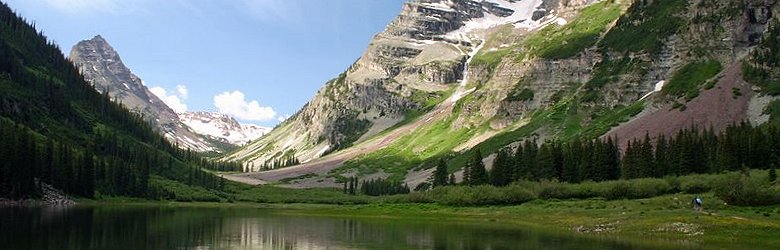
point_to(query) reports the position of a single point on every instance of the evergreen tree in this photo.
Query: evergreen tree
(467, 170)
(501, 173)
(545, 163)
(662, 160)
(646, 161)
(440, 174)
(530, 158)
(479, 175)
(571, 162)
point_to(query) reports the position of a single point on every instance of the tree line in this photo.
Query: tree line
(690, 151)
(374, 187)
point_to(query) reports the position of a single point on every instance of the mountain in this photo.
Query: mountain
(401, 74)
(200, 131)
(58, 131)
(101, 65)
(449, 78)
(222, 127)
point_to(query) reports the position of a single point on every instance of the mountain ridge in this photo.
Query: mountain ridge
(585, 68)
(101, 65)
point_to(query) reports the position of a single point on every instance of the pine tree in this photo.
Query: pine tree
(501, 173)
(531, 162)
(452, 179)
(467, 170)
(440, 174)
(662, 164)
(571, 162)
(545, 163)
(646, 163)
(613, 160)
(479, 175)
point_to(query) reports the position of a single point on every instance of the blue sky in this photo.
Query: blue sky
(209, 55)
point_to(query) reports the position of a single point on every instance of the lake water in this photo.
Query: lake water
(150, 227)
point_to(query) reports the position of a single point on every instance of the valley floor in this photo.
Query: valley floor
(663, 222)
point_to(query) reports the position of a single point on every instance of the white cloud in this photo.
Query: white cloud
(234, 103)
(182, 90)
(282, 118)
(173, 101)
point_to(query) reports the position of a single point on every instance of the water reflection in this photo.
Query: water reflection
(136, 227)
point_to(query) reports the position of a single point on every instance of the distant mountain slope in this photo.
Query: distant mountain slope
(222, 127)
(528, 70)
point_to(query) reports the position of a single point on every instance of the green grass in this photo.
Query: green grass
(177, 191)
(427, 142)
(561, 42)
(664, 222)
(687, 80)
(602, 124)
(520, 93)
(490, 59)
(610, 70)
(645, 27)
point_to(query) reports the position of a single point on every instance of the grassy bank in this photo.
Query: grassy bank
(663, 221)
(656, 211)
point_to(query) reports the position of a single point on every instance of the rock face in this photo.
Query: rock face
(222, 127)
(419, 56)
(493, 52)
(100, 64)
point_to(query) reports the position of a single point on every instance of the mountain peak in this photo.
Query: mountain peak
(98, 38)
(222, 127)
(101, 65)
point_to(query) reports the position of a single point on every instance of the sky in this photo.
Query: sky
(257, 60)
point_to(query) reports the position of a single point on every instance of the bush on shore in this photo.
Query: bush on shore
(751, 189)
(470, 196)
(747, 190)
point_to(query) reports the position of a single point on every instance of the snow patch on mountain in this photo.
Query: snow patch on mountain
(222, 127)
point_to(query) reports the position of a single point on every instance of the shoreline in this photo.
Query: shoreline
(663, 221)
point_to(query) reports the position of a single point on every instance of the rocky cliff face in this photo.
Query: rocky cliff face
(530, 68)
(420, 56)
(101, 65)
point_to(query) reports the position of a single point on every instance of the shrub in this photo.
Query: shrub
(646, 188)
(695, 185)
(471, 196)
(554, 190)
(619, 190)
(744, 190)
(517, 194)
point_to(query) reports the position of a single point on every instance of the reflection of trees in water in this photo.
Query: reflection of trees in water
(137, 227)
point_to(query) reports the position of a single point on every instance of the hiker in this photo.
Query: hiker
(697, 202)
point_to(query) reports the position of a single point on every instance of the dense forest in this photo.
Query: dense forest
(692, 151)
(56, 129)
